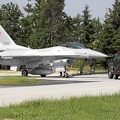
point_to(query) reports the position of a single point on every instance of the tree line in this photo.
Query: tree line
(45, 24)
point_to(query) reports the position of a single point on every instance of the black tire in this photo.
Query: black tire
(110, 75)
(24, 73)
(116, 76)
(80, 72)
(43, 75)
(66, 75)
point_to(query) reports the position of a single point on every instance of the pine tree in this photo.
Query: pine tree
(49, 23)
(77, 29)
(28, 8)
(87, 28)
(10, 15)
(110, 38)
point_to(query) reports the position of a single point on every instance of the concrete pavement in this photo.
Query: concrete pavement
(59, 87)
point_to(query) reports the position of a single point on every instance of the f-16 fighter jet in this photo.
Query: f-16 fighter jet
(42, 61)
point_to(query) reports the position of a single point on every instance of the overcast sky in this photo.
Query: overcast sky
(73, 7)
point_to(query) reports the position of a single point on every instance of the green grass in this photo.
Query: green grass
(18, 80)
(83, 108)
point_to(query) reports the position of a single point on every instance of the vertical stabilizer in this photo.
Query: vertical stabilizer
(5, 40)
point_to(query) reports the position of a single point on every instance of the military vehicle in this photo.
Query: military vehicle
(114, 66)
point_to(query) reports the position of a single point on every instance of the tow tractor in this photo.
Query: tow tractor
(114, 66)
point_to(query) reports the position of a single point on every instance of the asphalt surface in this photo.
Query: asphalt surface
(58, 87)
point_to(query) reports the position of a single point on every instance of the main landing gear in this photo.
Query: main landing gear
(25, 73)
(66, 75)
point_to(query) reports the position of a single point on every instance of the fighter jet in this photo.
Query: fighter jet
(42, 61)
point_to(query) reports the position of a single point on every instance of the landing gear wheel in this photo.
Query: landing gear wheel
(24, 73)
(116, 77)
(66, 75)
(80, 72)
(43, 75)
(110, 75)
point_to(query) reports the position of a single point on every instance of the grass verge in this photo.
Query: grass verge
(18, 80)
(83, 108)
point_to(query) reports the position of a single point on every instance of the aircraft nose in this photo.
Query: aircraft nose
(95, 54)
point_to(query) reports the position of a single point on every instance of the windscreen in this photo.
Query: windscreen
(117, 57)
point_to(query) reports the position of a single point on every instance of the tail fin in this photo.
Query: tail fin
(5, 39)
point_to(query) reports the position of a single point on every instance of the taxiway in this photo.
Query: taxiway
(59, 87)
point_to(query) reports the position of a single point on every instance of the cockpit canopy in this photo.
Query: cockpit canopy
(74, 45)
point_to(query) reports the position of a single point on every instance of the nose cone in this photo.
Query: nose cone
(95, 54)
